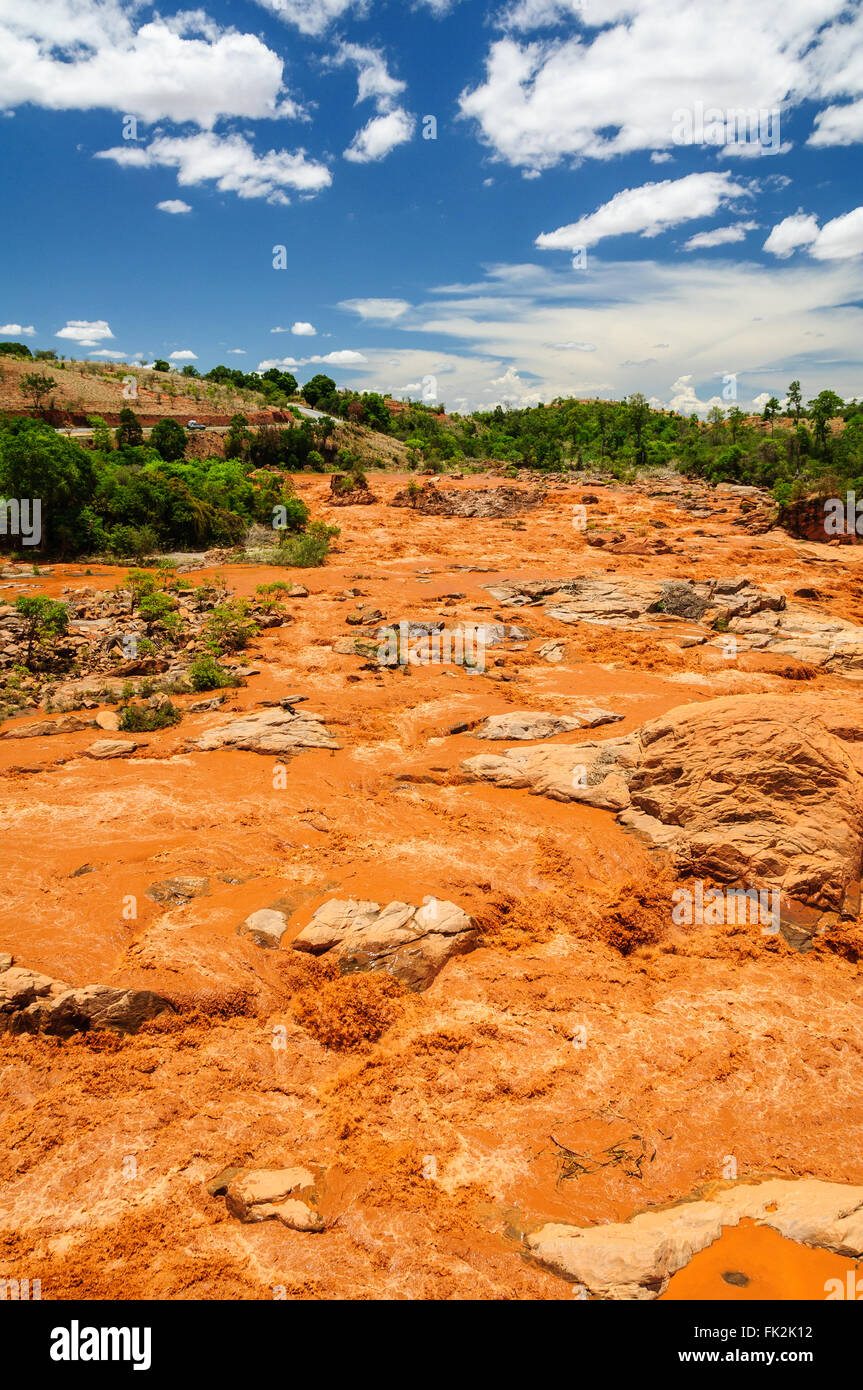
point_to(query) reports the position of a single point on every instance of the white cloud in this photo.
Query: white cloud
(230, 161)
(393, 125)
(184, 355)
(85, 332)
(799, 230)
(173, 205)
(87, 54)
(313, 16)
(614, 86)
(236, 352)
(383, 310)
(380, 136)
(648, 210)
(16, 328)
(573, 347)
(304, 330)
(108, 354)
(344, 358)
(720, 236)
(838, 240)
(374, 80)
(684, 398)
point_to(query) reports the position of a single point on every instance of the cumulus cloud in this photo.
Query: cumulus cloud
(614, 86)
(184, 355)
(393, 125)
(109, 355)
(85, 332)
(173, 205)
(383, 310)
(303, 330)
(791, 232)
(229, 161)
(647, 210)
(86, 54)
(345, 357)
(236, 352)
(838, 240)
(16, 328)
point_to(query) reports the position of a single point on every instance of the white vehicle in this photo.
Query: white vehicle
(193, 425)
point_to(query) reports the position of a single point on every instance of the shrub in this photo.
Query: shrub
(46, 619)
(229, 627)
(307, 551)
(205, 673)
(146, 719)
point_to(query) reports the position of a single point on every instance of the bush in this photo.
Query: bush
(146, 719)
(229, 627)
(205, 673)
(168, 438)
(309, 550)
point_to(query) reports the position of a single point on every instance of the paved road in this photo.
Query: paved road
(76, 432)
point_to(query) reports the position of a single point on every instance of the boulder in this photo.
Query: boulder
(265, 927)
(752, 790)
(635, 1259)
(35, 1003)
(410, 943)
(111, 748)
(536, 724)
(267, 731)
(272, 1194)
(69, 724)
(178, 890)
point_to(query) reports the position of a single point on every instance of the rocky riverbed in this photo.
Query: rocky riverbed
(405, 968)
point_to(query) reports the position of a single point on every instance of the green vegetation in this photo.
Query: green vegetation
(205, 673)
(146, 719)
(46, 620)
(131, 501)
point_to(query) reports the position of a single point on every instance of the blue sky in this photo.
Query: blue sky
(589, 219)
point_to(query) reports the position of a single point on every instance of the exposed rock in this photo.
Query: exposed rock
(267, 731)
(552, 652)
(347, 491)
(69, 724)
(31, 1003)
(533, 724)
(635, 1259)
(108, 720)
(266, 927)
(265, 1195)
(111, 748)
(178, 890)
(744, 789)
(412, 944)
(476, 502)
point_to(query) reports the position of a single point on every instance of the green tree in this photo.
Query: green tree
(37, 387)
(168, 438)
(771, 410)
(320, 388)
(822, 409)
(160, 365)
(795, 400)
(129, 432)
(45, 618)
(638, 415)
(37, 462)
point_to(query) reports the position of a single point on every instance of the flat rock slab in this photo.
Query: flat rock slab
(69, 724)
(267, 731)
(111, 748)
(410, 943)
(537, 724)
(179, 890)
(754, 790)
(636, 1259)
